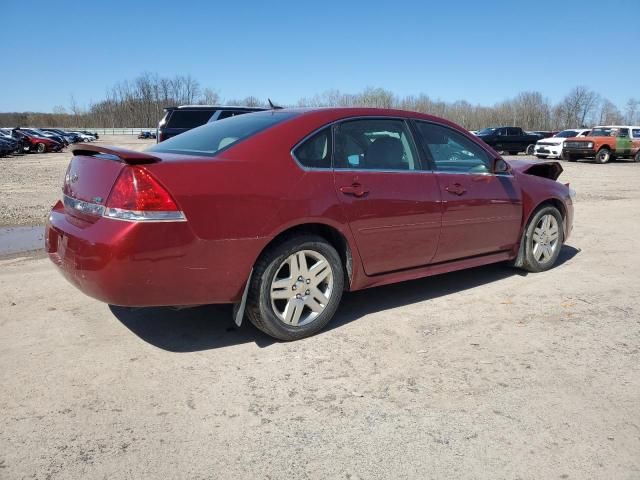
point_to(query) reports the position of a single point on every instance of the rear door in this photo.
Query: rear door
(392, 204)
(482, 211)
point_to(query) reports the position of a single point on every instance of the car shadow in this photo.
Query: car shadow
(211, 326)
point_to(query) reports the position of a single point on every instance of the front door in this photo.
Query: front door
(392, 205)
(482, 211)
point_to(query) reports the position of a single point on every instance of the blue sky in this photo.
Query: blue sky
(480, 51)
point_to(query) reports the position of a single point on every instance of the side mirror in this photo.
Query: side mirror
(500, 166)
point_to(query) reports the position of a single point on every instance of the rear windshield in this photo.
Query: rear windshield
(189, 118)
(214, 137)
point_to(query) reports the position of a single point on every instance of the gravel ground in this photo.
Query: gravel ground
(483, 374)
(30, 184)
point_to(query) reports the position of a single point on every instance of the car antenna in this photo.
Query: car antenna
(274, 107)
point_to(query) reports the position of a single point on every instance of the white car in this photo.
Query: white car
(552, 147)
(84, 137)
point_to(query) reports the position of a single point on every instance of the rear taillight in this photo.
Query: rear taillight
(137, 196)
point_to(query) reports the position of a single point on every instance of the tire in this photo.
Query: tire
(513, 153)
(540, 252)
(290, 316)
(603, 155)
(530, 149)
(636, 157)
(41, 148)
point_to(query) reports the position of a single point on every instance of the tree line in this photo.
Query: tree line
(140, 103)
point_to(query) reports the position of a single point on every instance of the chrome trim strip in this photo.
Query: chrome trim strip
(120, 214)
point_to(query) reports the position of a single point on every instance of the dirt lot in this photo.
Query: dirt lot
(485, 373)
(30, 184)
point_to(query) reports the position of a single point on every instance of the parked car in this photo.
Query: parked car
(143, 135)
(91, 134)
(305, 204)
(69, 137)
(84, 137)
(605, 143)
(509, 139)
(552, 147)
(543, 133)
(35, 143)
(7, 146)
(12, 144)
(180, 119)
(17, 144)
(44, 133)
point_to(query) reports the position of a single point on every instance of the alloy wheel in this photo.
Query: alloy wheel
(545, 238)
(301, 288)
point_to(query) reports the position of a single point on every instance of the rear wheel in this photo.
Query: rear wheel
(543, 240)
(530, 149)
(636, 157)
(41, 148)
(295, 288)
(603, 155)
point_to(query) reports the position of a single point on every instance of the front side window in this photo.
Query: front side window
(636, 133)
(451, 151)
(212, 138)
(375, 144)
(624, 132)
(315, 152)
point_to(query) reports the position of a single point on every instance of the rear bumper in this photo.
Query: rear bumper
(140, 264)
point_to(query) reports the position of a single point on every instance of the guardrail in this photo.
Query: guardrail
(112, 131)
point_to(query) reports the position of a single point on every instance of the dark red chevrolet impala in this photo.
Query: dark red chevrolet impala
(281, 211)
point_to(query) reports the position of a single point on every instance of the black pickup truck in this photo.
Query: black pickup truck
(509, 139)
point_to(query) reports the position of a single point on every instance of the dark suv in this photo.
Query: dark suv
(180, 119)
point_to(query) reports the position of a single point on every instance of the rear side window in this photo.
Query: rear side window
(451, 151)
(189, 118)
(636, 133)
(212, 138)
(375, 144)
(315, 152)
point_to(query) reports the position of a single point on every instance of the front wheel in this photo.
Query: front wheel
(530, 149)
(41, 148)
(543, 240)
(636, 157)
(295, 288)
(603, 155)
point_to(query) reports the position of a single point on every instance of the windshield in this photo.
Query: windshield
(212, 138)
(601, 132)
(486, 131)
(567, 134)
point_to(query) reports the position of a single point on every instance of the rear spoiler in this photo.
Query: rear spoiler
(128, 156)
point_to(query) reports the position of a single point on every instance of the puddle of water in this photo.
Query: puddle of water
(20, 239)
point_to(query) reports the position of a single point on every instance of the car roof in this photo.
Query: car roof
(215, 107)
(616, 126)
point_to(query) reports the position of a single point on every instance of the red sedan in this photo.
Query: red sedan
(281, 211)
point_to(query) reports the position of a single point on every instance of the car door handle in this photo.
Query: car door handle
(455, 189)
(354, 189)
